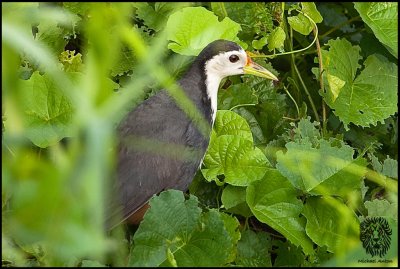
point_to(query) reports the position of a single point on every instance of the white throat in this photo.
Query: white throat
(212, 84)
(218, 68)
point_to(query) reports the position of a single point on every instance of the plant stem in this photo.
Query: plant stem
(240, 105)
(305, 89)
(321, 83)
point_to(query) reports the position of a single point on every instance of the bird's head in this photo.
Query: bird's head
(224, 58)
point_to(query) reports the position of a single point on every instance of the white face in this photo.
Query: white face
(226, 64)
(220, 66)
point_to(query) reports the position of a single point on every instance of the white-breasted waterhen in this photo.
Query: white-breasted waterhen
(141, 173)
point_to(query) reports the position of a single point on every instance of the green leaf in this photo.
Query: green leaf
(231, 225)
(53, 36)
(236, 94)
(48, 112)
(273, 201)
(381, 208)
(344, 181)
(90, 263)
(236, 159)
(301, 24)
(330, 223)
(79, 8)
(259, 44)
(252, 250)
(390, 168)
(125, 63)
(288, 255)
(174, 229)
(363, 100)
(230, 123)
(192, 28)
(71, 62)
(382, 18)
(321, 163)
(311, 10)
(276, 39)
(234, 200)
(155, 15)
(255, 127)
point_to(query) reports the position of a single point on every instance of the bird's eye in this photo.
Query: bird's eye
(233, 58)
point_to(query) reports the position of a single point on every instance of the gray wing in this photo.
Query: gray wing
(150, 157)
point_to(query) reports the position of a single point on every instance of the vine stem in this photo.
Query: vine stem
(240, 105)
(321, 82)
(293, 51)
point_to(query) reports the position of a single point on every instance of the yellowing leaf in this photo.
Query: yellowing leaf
(365, 99)
(335, 85)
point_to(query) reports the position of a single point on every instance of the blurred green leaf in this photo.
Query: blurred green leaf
(177, 226)
(367, 98)
(326, 224)
(382, 18)
(192, 28)
(382, 208)
(71, 62)
(53, 36)
(156, 14)
(273, 201)
(321, 163)
(253, 249)
(89, 263)
(48, 112)
(344, 181)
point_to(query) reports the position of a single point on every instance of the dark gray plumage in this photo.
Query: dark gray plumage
(141, 173)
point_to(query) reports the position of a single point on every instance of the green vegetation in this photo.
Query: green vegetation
(292, 167)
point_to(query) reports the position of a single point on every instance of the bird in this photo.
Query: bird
(160, 123)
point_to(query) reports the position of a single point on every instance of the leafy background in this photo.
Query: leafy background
(291, 170)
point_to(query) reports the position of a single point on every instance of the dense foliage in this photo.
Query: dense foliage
(292, 167)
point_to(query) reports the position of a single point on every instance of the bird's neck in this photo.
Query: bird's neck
(203, 90)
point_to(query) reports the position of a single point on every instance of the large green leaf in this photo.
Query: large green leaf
(306, 167)
(344, 181)
(230, 123)
(235, 159)
(330, 222)
(253, 250)
(273, 201)
(382, 18)
(363, 100)
(48, 112)
(192, 28)
(174, 231)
